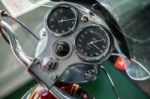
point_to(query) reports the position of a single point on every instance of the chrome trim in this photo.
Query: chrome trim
(70, 46)
(15, 46)
(57, 6)
(24, 59)
(98, 58)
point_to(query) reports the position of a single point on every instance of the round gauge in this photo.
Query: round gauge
(92, 44)
(62, 20)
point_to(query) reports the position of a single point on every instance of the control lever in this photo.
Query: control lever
(14, 44)
(32, 66)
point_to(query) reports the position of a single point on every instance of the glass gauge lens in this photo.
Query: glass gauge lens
(62, 20)
(92, 44)
(137, 71)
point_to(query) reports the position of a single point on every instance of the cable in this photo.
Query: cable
(4, 36)
(48, 6)
(2, 33)
(6, 14)
(25, 28)
(111, 81)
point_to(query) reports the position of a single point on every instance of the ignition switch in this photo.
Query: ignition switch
(62, 48)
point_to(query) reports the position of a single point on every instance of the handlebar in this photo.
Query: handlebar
(24, 59)
(14, 44)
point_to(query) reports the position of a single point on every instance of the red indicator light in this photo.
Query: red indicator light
(121, 64)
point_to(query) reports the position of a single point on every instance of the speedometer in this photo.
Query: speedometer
(92, 44)
(62, 20)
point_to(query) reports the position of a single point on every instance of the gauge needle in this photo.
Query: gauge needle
(96, 46)
(96, 41)
(66, 20)
(92, 43)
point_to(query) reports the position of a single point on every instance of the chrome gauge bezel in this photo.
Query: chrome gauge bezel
(74, 10)
(102, 57)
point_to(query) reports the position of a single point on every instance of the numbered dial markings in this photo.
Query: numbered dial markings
(62, 20)
(92, 44)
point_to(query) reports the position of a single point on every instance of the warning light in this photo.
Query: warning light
(121, 64)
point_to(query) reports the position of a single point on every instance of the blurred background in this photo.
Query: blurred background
(134, 19)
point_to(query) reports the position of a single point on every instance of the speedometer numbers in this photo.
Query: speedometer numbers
(92, 44)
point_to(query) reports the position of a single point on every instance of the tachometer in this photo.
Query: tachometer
(62, 20)
(92, 44)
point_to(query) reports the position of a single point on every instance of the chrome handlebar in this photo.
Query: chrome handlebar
(15, 46)
(24, 59)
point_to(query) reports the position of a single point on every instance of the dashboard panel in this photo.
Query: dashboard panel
(73, 34)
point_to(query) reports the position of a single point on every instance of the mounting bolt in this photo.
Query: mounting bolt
(42, 33)
(49, 63)
(84, 19)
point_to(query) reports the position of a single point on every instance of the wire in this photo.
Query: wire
(48, 6)
(111, 81)
(6, 14)
(4, 36)
(25, 28)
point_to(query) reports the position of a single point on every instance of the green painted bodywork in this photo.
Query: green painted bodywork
(100, 89)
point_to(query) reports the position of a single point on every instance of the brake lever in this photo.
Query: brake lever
(14, 44)
(33, 67)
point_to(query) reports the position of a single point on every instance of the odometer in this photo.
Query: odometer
(92, 43)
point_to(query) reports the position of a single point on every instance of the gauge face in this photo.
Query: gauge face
(92, 44)
(62, 20)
